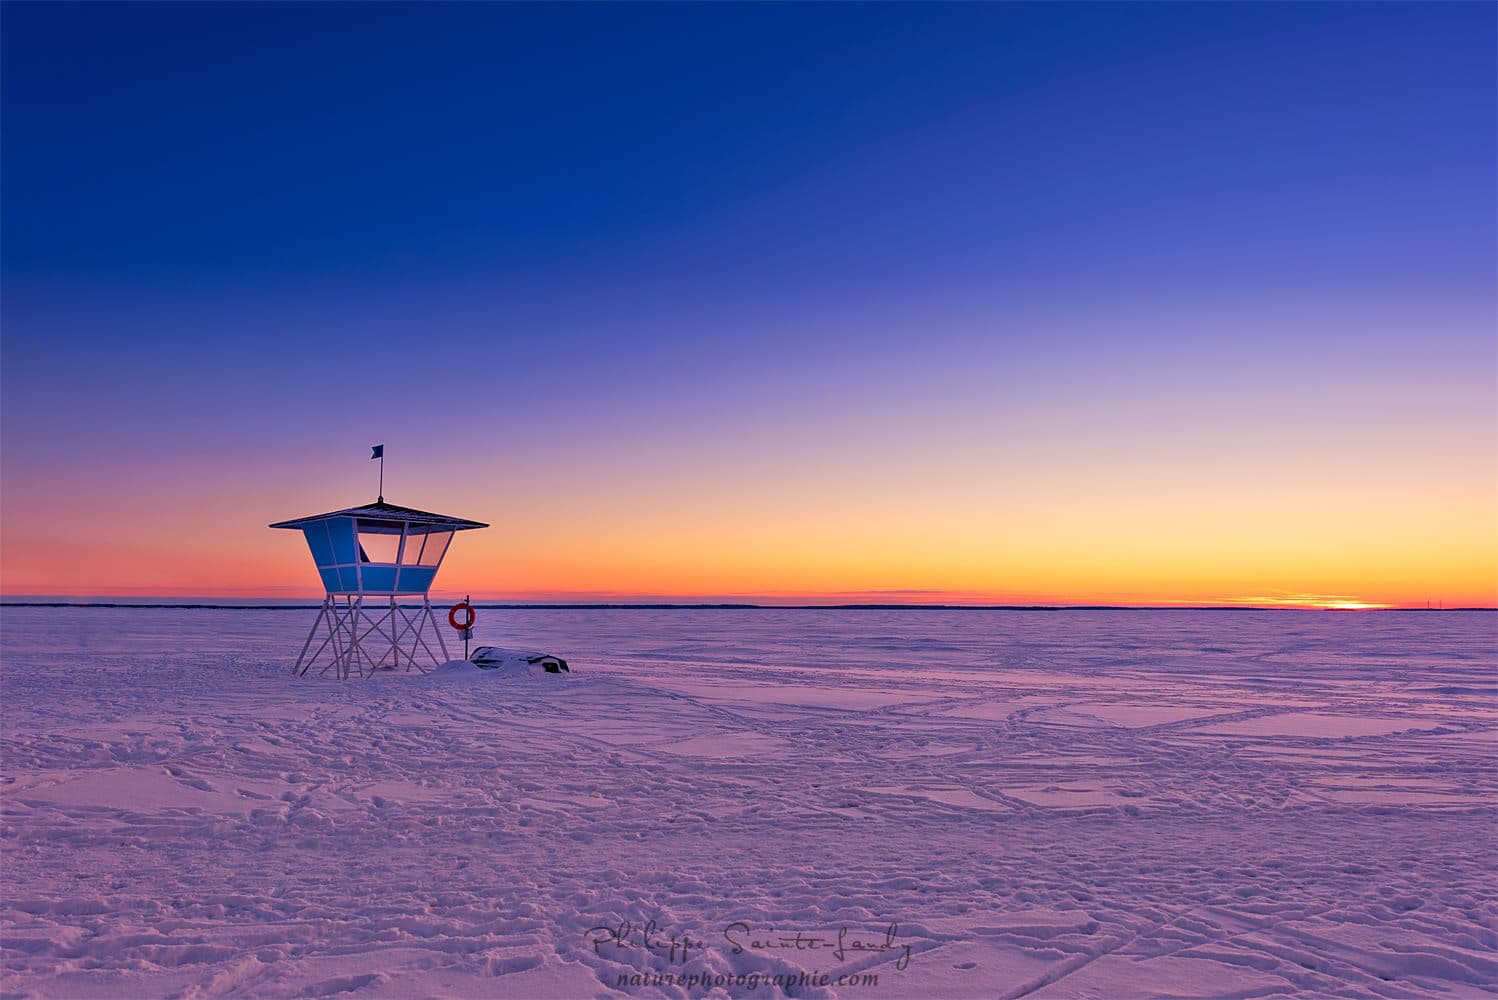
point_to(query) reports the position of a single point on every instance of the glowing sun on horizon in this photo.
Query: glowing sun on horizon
(1325, 602)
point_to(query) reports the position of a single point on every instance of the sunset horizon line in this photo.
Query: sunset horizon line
(769, 602)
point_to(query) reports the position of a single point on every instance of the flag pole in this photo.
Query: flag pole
(378, 451)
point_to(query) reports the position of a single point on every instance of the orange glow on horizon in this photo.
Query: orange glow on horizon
(1322, 601)
(1079, 512)
(821, 550)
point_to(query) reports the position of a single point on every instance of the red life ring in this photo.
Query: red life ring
(452, 616)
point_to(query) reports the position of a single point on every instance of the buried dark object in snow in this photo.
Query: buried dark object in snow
(494, 658)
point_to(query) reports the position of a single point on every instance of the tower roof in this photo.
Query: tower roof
(391, 515)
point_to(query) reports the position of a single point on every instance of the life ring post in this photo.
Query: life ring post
(469, 617)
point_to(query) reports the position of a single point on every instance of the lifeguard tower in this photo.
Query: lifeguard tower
(368, 557)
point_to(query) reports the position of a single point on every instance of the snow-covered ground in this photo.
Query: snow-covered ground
(979, 804)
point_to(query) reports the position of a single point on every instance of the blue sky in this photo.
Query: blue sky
(706, 227)
(248, 143)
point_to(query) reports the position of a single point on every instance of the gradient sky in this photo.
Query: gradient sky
(1009, 303)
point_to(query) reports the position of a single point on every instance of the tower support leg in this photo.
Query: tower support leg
(442, 643)
(351, 638)
(322, 615)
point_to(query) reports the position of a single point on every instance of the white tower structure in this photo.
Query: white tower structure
(368, 557)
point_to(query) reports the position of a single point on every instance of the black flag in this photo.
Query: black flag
(379, 451)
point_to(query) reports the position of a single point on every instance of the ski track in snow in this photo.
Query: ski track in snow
(1054, 804)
